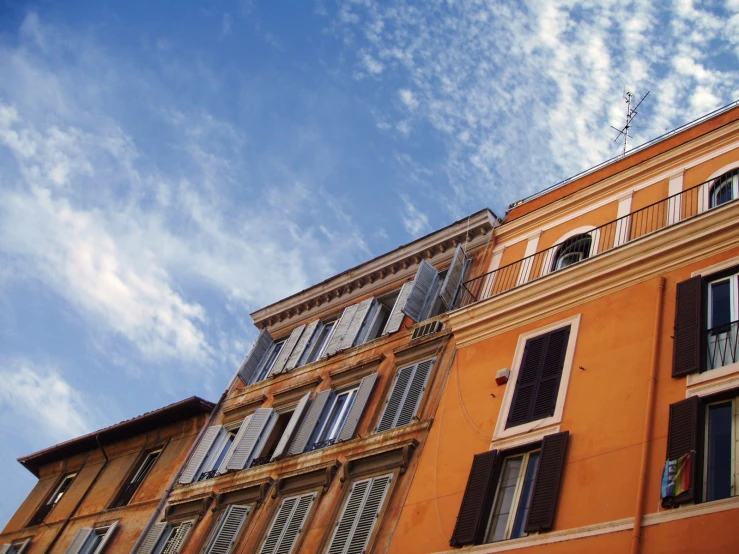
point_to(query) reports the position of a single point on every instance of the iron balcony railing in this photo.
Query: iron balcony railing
(722, 345)
(654, 217)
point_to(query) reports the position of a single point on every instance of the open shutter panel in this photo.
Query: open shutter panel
(106, 538)
(178, 540)
(528, 374)
(4, 548)
(79, 540)
(244, 448)
(223, 468)
(350, 336)
(355, 412)
(201, 451)
(424, 281)
(395, 399)
(345, 524)
(340, 330)
(292, 426)
(546, 483)
(550, 374)
(369, 514)
(685, 436)
(453, 278)
(287, 350)
(228, 529)
(477, 501)
(309, 422)
(415, 392)
(689, 349)
(297, 353)
(395, 320)
(256, 355)
(153, 537)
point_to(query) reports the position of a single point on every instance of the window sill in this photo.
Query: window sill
(522, 438)
(713, 374)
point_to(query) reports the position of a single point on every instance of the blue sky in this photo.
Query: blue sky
(166, 170)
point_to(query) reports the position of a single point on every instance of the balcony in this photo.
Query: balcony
(673, 210)
(722, 345)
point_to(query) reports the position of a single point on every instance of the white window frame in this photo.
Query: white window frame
(500, 430)
(265, 368)
(352, 391)
(705, 193)
(556, 247)
(221, 443)
(68, 477)
(734, 451)
(142, 465)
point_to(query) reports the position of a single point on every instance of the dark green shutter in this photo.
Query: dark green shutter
(477, 501)
(689, 344)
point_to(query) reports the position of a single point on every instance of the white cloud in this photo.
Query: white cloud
(407, 97)
(416, 222)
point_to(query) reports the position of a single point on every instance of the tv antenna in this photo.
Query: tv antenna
(631, 113)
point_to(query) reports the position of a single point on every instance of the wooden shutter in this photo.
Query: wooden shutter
(546, 483)
(685, 435)
(689, 344)
(108, 535)
(352, 331)
(287, 350)
(395, 399)
(423, 283)
(201, 451)
(245, 448)
(79, 540)
(292, 426)
(153, 537)
(551, 374)
(340, 329)
(413, 396)
(255, 357)
(180, 534)
(355, 412)
(477, 501)
(453, 279)
(297, 353)
(228, 529)
(287, 524)
(223, 468)
(309, 422)
(395, 320)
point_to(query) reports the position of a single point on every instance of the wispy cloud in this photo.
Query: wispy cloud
(414, 220)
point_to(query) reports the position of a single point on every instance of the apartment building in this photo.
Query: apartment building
(96, 493)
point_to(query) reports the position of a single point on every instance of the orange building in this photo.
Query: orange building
(98, 492)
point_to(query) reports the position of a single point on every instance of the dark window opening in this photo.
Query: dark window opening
(278, 430)
(53, 499)
(130, 488)
(573, 250)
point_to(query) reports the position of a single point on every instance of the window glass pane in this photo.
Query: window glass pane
(525, 501)
(720, 303)
(718, 459)
(504, 500)
(722, 193)
(225, 449)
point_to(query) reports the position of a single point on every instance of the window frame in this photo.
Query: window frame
(718, 182)
(734, 401)
(266, 365)
(313, 442)
(49, 500)
(133, 474)
(550, 261)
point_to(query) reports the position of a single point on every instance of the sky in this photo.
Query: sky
(167, 168)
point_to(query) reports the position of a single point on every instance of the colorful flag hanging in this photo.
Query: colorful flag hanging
(676, 476)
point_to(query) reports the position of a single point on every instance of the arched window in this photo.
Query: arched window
(725, 189)
(573, 250)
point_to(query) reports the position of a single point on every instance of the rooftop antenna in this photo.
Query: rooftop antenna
(631, 113)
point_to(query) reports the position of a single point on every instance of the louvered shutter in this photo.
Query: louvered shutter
(546, 483)
(685, 435)
(397, 315)
(551, 374)
(244, 449)
(309, 422)
(477, 501)
(416, 387)
(180, 534)
(528, 373)
(153, 537)
(287, 350)
(237, 439)
(453, 279)
(395, 399)
(423, 284)
(201, 451)
(345, 524)
(297, 353)
(79, 540)
(4, 548)
(689, 344)
(228, 529)
(108, 535)
(340, 330)
(287, 524)
(355, 412)
(352, 331)
(292, 426)
(255, 357)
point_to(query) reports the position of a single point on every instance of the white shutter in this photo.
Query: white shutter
(239, 435)
(309, 422)
(180, 534)
(355, 412)
(368, 515)
(292, 425)
(227, 530)
(108, 534)
(287, 524)
(396, 315)
(340, 330)
(287, 350)
(4, 548)
(153, 537)
(255, 357)
(244, 450)
(297, 353)
(395, 399)
(201, 451)
(352, 331)
(79, 540)
(423, 284)
(415, 392)
(453, 279)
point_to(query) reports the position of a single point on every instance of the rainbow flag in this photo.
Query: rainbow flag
(676, 476)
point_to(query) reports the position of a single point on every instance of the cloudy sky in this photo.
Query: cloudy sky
(166, 171)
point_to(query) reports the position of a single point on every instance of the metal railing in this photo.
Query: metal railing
(722, 345)
(208, 475)
(654, 217)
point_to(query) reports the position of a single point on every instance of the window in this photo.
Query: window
(405, 396)
(333, 418)
(511, 494)
(217, 453)
(270, 360)
(227, 529)
(129, 489)
(287, 524)
(719, 478)
(722, 321)
(317, 344)
(267, 454)
(166, 538)
(359, 515)
(572, 250)
(15, 547)
(92, 540)
(53, 500)
(724, 189)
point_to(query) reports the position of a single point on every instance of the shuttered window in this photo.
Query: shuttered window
(685, 436)
(453, 280)
(153, 537)
(362, 508)
(192, 469)
(227, 530)
(539, 376)
(405, 396)
(478, 496)
(250, 438)
(256, 356)
(286, 351)
(16, 547)
(292, 426)
(424, 283)
(175, 540)
(395, 320)
(79, 540)
(287, 524)
(689, 351)
(309, 422)
(92, 541)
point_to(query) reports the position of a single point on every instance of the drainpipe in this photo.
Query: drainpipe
(176, 477)
(646, 440)
(82, 498)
